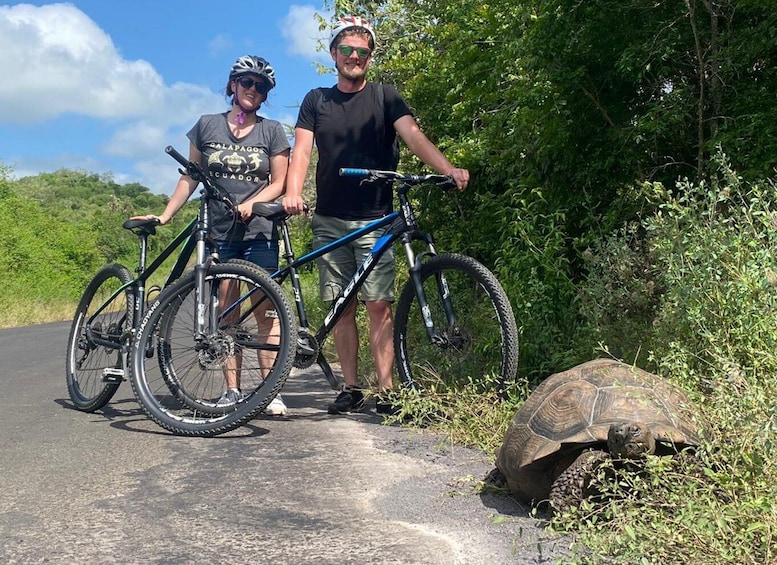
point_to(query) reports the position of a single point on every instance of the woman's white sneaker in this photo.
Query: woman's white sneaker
(276, 407)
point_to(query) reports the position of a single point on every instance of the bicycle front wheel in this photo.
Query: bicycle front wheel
(181, 376)
(95, 363)
(473, 335)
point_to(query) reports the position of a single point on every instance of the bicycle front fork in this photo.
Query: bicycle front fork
(415, 262)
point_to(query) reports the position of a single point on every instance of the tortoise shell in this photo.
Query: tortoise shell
(573, 410)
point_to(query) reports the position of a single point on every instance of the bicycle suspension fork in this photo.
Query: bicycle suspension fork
(206, 307)
(415, 262)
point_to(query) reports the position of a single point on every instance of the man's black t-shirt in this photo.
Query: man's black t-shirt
(352, 130)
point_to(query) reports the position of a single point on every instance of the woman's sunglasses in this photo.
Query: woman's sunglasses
(361, 52)
(261, 85)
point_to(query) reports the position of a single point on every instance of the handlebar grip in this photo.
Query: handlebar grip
(170, 150)
(346, 172)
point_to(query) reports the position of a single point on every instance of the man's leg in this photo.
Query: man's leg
(382, 341)
(346, 338)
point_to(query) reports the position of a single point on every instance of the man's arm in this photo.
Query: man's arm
(298, 168)
(419, 144)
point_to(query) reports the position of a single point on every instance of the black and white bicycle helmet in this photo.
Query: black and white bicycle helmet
(351, 22)
(253, 64)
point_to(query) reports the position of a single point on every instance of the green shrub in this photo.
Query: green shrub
(691, 290)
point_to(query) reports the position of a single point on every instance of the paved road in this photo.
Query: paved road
(112, 487)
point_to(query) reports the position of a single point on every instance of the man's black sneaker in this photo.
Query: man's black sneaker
(386, 407)
(349, 400)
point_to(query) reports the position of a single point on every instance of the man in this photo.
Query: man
(354, 124)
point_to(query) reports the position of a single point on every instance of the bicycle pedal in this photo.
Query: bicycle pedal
(113, 375)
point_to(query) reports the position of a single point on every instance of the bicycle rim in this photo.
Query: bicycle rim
(94, 370)
(477, 345)
(179, 378)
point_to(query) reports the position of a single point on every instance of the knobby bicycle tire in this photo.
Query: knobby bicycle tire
(192, 396)
(94, 372)
(178, 380)
(482, 341)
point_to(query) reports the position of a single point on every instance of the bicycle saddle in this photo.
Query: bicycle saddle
(270, 210)
(142, 226)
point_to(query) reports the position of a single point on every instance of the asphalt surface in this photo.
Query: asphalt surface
(112, 487)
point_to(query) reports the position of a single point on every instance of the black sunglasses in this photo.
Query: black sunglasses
(361, 52)
(261, 85)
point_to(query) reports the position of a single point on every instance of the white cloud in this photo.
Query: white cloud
(300, 27)
(220, 43)
(56, 62)
(57, 52)
(179, 106)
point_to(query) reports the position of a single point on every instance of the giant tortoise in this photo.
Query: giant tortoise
(575, 419)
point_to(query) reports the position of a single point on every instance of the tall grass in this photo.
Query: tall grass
(690, 292)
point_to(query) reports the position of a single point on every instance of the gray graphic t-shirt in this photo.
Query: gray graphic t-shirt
(241, 166)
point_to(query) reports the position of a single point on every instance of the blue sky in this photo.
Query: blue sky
(104, 85)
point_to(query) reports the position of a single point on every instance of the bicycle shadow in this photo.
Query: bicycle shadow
(110, 411)
(125, 414)
(306, 394)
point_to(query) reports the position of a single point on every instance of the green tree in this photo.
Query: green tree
(559, 108)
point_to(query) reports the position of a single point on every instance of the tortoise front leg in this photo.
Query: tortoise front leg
(571, 486)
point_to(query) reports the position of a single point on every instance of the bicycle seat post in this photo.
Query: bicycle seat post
(142, 256)
(288, 253)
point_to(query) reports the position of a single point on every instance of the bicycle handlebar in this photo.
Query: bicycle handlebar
(170, 150)
(370, 175)
(195, 171)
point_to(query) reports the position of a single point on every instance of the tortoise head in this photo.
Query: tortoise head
(630, 440)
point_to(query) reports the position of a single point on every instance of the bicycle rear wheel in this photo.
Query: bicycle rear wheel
(474, 332)
(179, 378)
(95, 366)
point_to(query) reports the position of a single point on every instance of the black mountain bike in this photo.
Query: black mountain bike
(201, 334)
(453, 322)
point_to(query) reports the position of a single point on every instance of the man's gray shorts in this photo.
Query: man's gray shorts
(336, 268)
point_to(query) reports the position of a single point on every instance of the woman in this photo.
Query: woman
(248, 156)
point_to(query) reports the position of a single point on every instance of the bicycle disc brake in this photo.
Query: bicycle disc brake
(215, 349)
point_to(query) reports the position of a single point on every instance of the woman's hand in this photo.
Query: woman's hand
(161, 219)
(245, 211)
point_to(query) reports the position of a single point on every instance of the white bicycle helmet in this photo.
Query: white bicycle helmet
(351, 22)
(253, 64)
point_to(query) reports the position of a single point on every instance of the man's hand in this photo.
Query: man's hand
(293, 204)
(460, 177)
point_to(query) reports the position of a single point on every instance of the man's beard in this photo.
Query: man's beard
(352, 73)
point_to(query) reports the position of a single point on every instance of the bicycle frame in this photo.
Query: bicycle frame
(400, 225)
(138, 284)
(193, 239)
